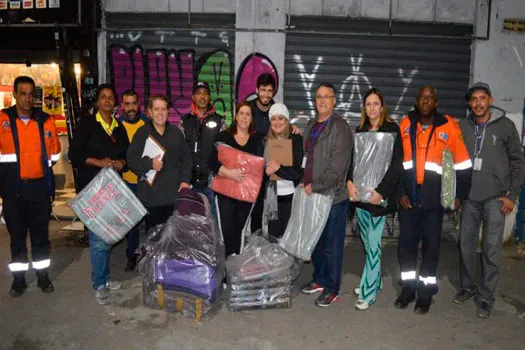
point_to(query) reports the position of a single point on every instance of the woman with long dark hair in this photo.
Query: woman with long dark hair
(371, 216)
(233, 213)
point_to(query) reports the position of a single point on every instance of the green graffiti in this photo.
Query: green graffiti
(216, 70)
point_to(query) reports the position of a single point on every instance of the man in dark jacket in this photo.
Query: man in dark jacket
(201, 127)
(499, 171)
(327, 148)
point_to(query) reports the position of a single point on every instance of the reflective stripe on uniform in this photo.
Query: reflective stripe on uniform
(408, 165)
(16, 267)
(433, 167)
(463, 165)
(8, 158)
(42, 264)
(55, 157)
(408, 275)
(428, 280)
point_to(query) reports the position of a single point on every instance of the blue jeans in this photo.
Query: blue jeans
(328, 253)
(211, 198)
(99, 253)
(133, 237)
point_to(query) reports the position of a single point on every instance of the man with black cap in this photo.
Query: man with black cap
(201, 126)
(499, 171)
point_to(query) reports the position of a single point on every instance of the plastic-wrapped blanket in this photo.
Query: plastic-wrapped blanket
(246, 190)
(306, 224)
(108, 207)
(182, 261)
(448, 180)
(260, 277)
(372, 157)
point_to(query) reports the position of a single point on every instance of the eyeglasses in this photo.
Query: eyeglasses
(324, 97)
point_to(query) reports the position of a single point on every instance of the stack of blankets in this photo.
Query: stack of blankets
(182, 261)
(260, 277)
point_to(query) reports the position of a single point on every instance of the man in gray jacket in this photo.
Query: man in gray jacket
(499, 171)
(327, 149)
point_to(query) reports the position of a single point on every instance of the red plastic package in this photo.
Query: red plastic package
(246, 190)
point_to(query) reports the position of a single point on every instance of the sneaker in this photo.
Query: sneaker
(357, 291)
(311, 288)
(17, 288)
(113, 285)
(102, 295)
(361, 305)
(44, 283)
(326, 299)
(131, 264)
(483, 309)
(463, 296)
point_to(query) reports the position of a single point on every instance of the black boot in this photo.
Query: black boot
(422, 305)
(408, 295)
(44, 283)
(131, 264)
(19, 285)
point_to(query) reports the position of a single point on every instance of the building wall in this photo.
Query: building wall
(500, 61)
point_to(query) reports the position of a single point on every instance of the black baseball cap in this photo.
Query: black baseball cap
(478, 86)
(199, 85)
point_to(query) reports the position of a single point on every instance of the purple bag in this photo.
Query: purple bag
(190, 275)
(190, 202)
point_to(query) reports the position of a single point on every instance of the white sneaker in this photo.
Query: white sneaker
(362, 305)
(113, 285)
(102, 295)
(357, 291)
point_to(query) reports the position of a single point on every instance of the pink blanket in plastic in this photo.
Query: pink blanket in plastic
(246, 190)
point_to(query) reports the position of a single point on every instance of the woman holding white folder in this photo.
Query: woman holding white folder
(161, 158)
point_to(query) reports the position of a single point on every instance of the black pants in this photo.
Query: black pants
(277, 227)
(23, 214)
(420, 224)
(232, 218)
(257, 212)
(158, 215)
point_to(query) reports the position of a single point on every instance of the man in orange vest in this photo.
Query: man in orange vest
(426, 134)
(28, 147)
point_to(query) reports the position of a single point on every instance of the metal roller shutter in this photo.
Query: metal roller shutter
(398, 65)
(155, 54)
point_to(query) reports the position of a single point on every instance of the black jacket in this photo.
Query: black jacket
(176, 165)
(91, 141)
(200, 136)
(388, 186)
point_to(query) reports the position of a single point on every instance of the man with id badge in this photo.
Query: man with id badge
(499, 171)
(201, 127)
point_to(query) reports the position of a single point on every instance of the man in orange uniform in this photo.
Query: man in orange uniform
(426, 134)
(28, 146)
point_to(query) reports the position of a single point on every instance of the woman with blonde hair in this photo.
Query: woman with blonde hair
(173, 169)
(371, 216)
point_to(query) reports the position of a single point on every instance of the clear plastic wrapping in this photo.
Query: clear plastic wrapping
(182, 264)
(448, 180)
(372, 157)
(306, 224)
(260, 277)
(108, 207)
(246, 190)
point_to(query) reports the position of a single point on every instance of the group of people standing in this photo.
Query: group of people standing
(485, 146)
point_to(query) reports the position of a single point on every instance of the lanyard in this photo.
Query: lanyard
(480, 136)
(314, 134)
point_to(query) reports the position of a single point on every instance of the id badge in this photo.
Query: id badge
(303, 165)
(477, 163)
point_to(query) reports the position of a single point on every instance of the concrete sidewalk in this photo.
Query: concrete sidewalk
(71, 319)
